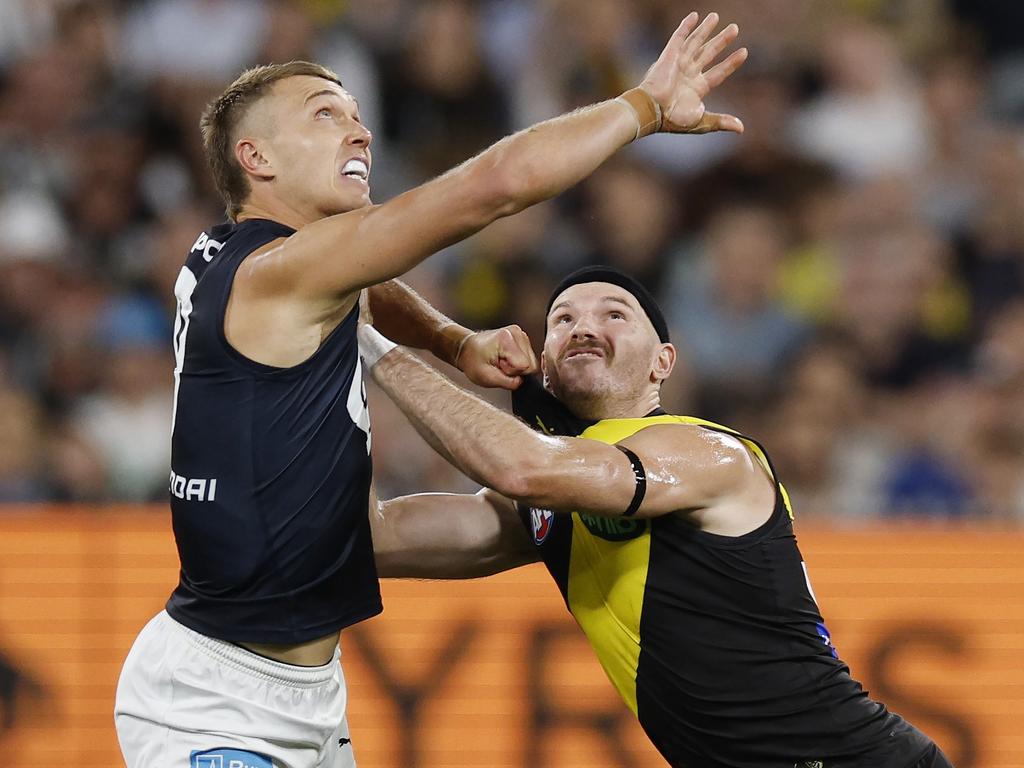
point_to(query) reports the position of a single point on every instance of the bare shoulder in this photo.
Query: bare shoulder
(688, 441)
(264, 273)
(272, 275)
(268, 320)
(708, 464)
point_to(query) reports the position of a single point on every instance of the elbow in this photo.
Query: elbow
(505, 187)
(501, 193)
(521, 479)
(550, 482)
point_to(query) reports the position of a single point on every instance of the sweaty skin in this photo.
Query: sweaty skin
(291, 294)
(709, 477)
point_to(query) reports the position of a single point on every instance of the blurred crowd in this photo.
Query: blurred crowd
(844, 282)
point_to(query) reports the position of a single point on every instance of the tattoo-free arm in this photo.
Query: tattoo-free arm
(491, 358)
(449, 536)
(404, 316)
(687, 467)
(335, 256)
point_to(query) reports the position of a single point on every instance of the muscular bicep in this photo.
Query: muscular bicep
(685, 467)
(449, 536)
(691, 468)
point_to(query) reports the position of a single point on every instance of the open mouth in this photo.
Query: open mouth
(357, 170)
(584, 353)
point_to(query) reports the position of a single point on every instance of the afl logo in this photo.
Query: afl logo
(543, 520)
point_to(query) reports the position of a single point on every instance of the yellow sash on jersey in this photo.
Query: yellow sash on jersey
(608, 566)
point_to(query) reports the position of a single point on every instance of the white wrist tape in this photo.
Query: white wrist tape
(373, 345)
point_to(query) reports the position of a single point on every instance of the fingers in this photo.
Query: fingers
(713, 121)
(686, 26)
(512, 359)
(670, 52)
(709, 52)
(718, 73)
(495, 378)
(498, 358)
(698, 37)
(523, 341)
(515, 354)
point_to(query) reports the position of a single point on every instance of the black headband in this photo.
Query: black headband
(621, 279)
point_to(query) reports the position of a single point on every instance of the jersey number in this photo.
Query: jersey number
(207, 247)
(183, 288)
(357, 408)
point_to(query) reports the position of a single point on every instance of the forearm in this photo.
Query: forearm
(471, 434)
(448, 536)
(406, 317)
(496, 449)
(548, 158)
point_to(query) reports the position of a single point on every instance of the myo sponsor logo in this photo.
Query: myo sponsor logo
(614, 528)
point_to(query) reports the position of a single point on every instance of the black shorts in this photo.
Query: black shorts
(933, 758)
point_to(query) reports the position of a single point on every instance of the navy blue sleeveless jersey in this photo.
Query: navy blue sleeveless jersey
(270, 469)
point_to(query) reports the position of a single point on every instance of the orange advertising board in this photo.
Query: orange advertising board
(493, 672)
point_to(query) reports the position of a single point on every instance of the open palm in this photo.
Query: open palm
(686, 72)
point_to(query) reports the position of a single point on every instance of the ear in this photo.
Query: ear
(664, 362)
(251, 157)
(544, 371)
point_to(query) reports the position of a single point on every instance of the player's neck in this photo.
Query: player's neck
(274, 211)
(613, 408)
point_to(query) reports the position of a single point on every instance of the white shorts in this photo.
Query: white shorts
(186, 700)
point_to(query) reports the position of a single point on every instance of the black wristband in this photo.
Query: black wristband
(641, 481)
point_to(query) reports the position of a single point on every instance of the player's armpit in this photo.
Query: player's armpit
(449, 536)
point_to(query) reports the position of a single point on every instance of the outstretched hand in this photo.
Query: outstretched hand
(498, 358)
(685, 73)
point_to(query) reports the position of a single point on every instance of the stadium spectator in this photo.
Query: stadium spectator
(727, 309)
(903, 234)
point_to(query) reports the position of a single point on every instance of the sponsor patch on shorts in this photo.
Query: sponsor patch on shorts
(229, 758)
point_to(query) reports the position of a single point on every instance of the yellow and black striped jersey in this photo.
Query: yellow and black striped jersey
(714, 642)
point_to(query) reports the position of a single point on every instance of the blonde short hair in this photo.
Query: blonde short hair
(223, 114)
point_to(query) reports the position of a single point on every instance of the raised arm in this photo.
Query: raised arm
(492, 358)
(449, 536)
(335, 256)
(687, 468)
